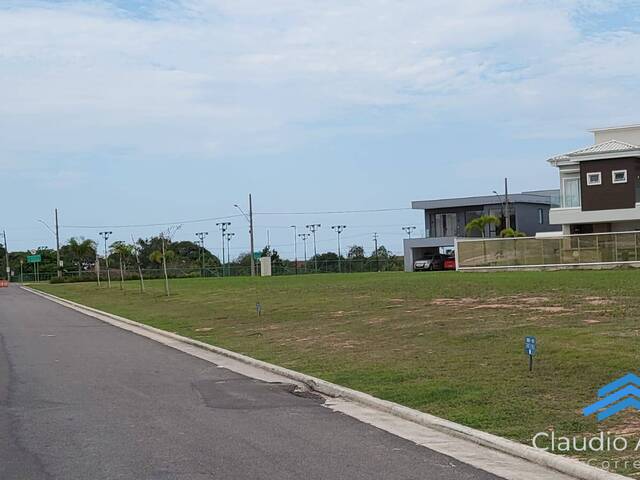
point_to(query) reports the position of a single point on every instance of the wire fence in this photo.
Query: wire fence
(599, 249)
(233, 270)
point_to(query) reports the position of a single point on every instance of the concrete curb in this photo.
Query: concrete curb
(558, 463)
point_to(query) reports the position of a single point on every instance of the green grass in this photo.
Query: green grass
(450, 344)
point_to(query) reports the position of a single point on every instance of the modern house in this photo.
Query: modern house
(446, 219)
(600, 184)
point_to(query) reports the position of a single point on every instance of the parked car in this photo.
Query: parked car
(449, 263)
(434, 261)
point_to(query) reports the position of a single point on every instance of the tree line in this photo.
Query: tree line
(79, 256)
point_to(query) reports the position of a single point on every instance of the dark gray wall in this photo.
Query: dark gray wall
(527, 219)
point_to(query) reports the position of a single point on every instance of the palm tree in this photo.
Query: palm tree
(481, 223)
(81, 249)
(123, 250)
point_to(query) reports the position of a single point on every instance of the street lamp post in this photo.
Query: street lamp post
(295, 246)
(304, 237)
(313, 228)
(223, 228)
(409, 229)
(6, 256)
(201, 236)
(229, 236)
(339, 229)
(105, 236)
(375, 246)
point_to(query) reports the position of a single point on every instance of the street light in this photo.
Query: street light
(295, 245)
(339, 229)
(201, 236)
(223, 228)
(304, 237)
(106, 236)
(229, 237)
(409, 229)
(312, 228)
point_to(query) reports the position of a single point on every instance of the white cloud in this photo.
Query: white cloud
(208, 78)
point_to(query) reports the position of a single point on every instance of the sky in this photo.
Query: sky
(134, 115)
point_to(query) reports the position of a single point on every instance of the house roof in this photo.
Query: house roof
(603, 149)
(542, 197)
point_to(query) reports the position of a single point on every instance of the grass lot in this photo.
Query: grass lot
(447, 343)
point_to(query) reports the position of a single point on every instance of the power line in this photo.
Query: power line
(200, 220)
(335, 212)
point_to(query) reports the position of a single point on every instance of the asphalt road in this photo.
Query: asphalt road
(80, 399)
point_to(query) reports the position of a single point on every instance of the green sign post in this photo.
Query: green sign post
(35, 259)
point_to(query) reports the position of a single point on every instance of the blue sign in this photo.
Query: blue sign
(530, 345)
(615, 397)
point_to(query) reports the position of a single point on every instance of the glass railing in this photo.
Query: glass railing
(585, 249)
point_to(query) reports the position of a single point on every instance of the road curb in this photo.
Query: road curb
(558, 463)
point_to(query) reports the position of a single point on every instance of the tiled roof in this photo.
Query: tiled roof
(610, 146)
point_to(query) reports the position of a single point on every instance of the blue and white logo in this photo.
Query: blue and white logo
(615, 397)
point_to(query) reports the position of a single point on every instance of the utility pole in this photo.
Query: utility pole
(304, 237)
(98, 263)
(201, 236)
(339, 229)
(253, 260)
(6, 256)
(295, 246)
(506, 205)
(59, 266)
(164, 266)
(223, 228)
(106, 235)
(375, 243)
(229, 237)
(409, 229)
(249, 219)
(313, 227)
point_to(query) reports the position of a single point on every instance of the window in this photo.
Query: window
(446, 224)
(540, 216)
(594, 178)
(619, 176)
(571, 192)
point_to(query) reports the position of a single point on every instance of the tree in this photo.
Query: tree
(157, 257)
(81, 250)
(481, 223)
(123, 251)
(327, 262)
(269, 252)
(511, 233)
(355, 252)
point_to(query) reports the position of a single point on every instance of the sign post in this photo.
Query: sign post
(35, 259)
(530, 344)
